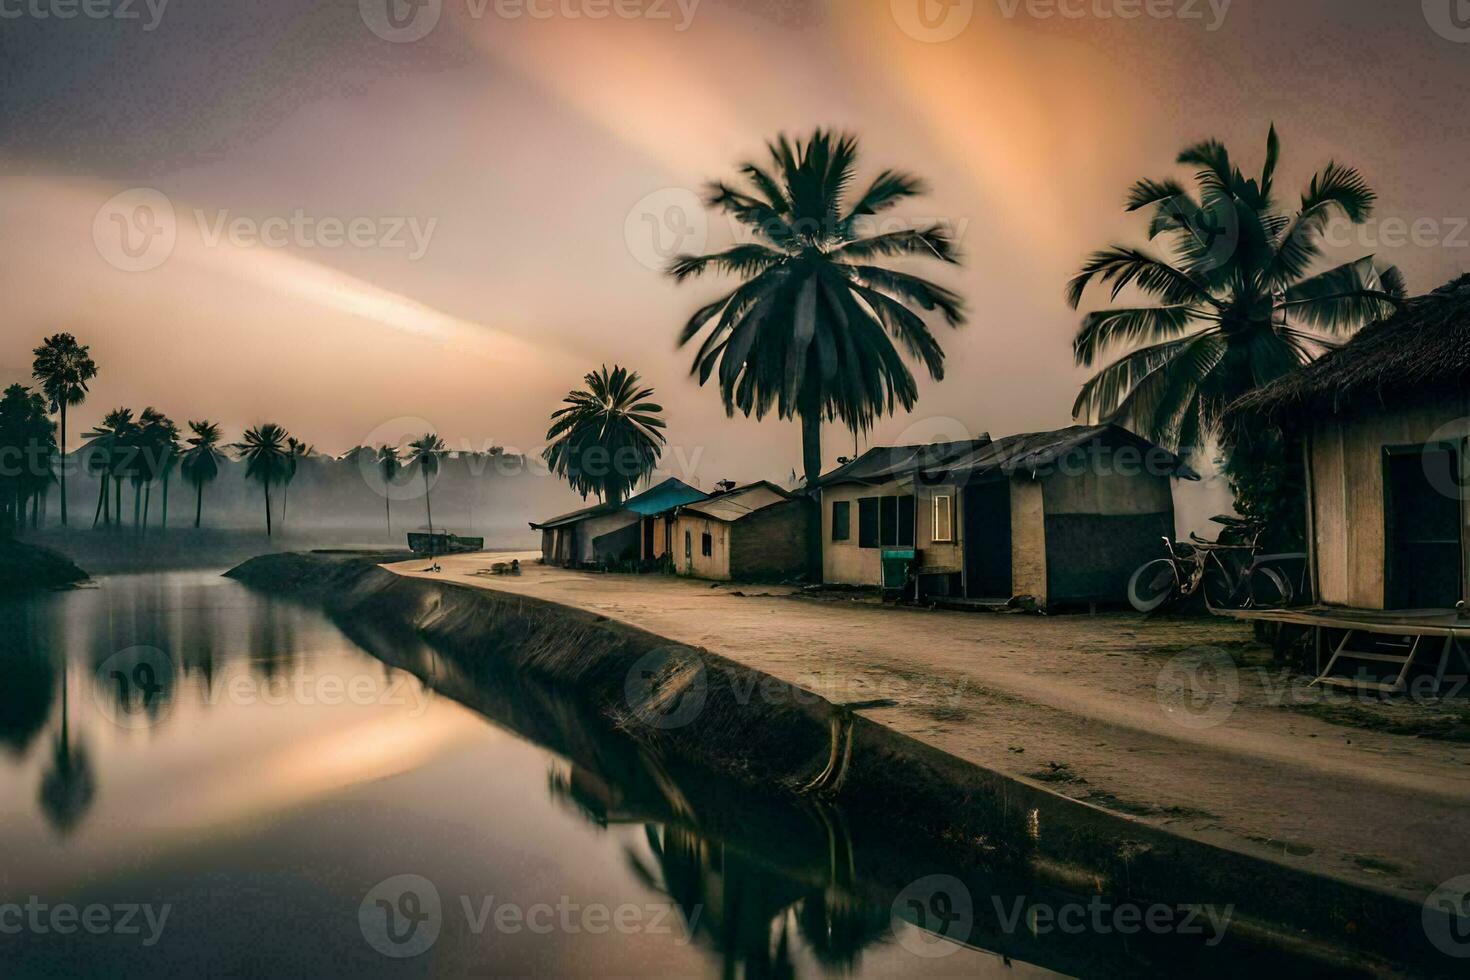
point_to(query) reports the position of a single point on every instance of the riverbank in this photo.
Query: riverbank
(690, 702)
(25, 566)
(1181, 723)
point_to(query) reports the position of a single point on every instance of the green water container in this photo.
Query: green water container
(895, 563)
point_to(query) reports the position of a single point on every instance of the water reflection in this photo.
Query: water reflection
(137, 717)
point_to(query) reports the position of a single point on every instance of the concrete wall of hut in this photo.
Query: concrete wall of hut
(1348, 526)
(693, 561)
(843, 562)
(1102, 522)
(587, 532)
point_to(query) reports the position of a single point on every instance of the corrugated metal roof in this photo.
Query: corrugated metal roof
(1028, 452)
(883, 463)
(740, 502)
(670, 493)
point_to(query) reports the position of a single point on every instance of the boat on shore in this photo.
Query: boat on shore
(437, 541)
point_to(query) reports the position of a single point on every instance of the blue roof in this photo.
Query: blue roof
(670, 493)
(654, 500)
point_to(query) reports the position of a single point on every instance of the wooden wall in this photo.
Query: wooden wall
(1348, 530)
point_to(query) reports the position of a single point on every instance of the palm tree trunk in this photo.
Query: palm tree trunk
(285, 489)
(428, 504)
(163, 519)
(388, 509)
(267, 510)
(61, 456)
(198, 502)
(811, 462)
(101, 498)
(147, 503)
(137, 501)
(117, 500)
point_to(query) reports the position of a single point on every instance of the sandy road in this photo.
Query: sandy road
(1133, 715)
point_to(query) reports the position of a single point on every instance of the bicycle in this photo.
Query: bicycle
(1232, 573)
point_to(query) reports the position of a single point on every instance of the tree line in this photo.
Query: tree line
(140, 451)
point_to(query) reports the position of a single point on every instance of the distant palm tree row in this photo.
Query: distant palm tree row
(143, 450)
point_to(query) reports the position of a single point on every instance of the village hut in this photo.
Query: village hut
(609, 533)
(1382, 422)
(753, 532)
(1049, 518)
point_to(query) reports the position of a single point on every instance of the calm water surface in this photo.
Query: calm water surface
(176, 745)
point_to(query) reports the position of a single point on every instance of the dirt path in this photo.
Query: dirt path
(1182, 723)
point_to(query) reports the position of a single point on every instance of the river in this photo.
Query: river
(198, 780)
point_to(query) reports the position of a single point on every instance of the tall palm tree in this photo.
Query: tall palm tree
(201, 460)
(1235, 307)
(266, 456)
(156, 443)
(812, 329)
(389, 464)
(607, 437)
(63, 367)
(296, 450)
(425, 453)
(106, 453)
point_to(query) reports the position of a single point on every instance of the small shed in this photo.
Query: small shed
(1061, 517)
(753, 532)
(1383, 421)
(608, 532)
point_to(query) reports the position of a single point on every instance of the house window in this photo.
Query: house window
(886, 522)
(868, 522)
(688, 545)
(841, 520)
(943, 517)
(706, 544)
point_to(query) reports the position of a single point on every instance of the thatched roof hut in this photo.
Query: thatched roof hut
(1384, 421)
(1422, 350)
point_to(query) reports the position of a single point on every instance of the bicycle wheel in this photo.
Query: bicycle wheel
(1154, 584)
(1219, 590)
(1270, 589)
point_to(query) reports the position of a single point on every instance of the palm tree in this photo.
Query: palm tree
(607, 437)
(296, 450)
(389, 464)
(425, 453)
(1236, 306)
(266, 457)
(155, 444)
(63, 367)
(201, 460)
(812, 329)
(106, 453)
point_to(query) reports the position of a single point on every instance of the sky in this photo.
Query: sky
(362, 221)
